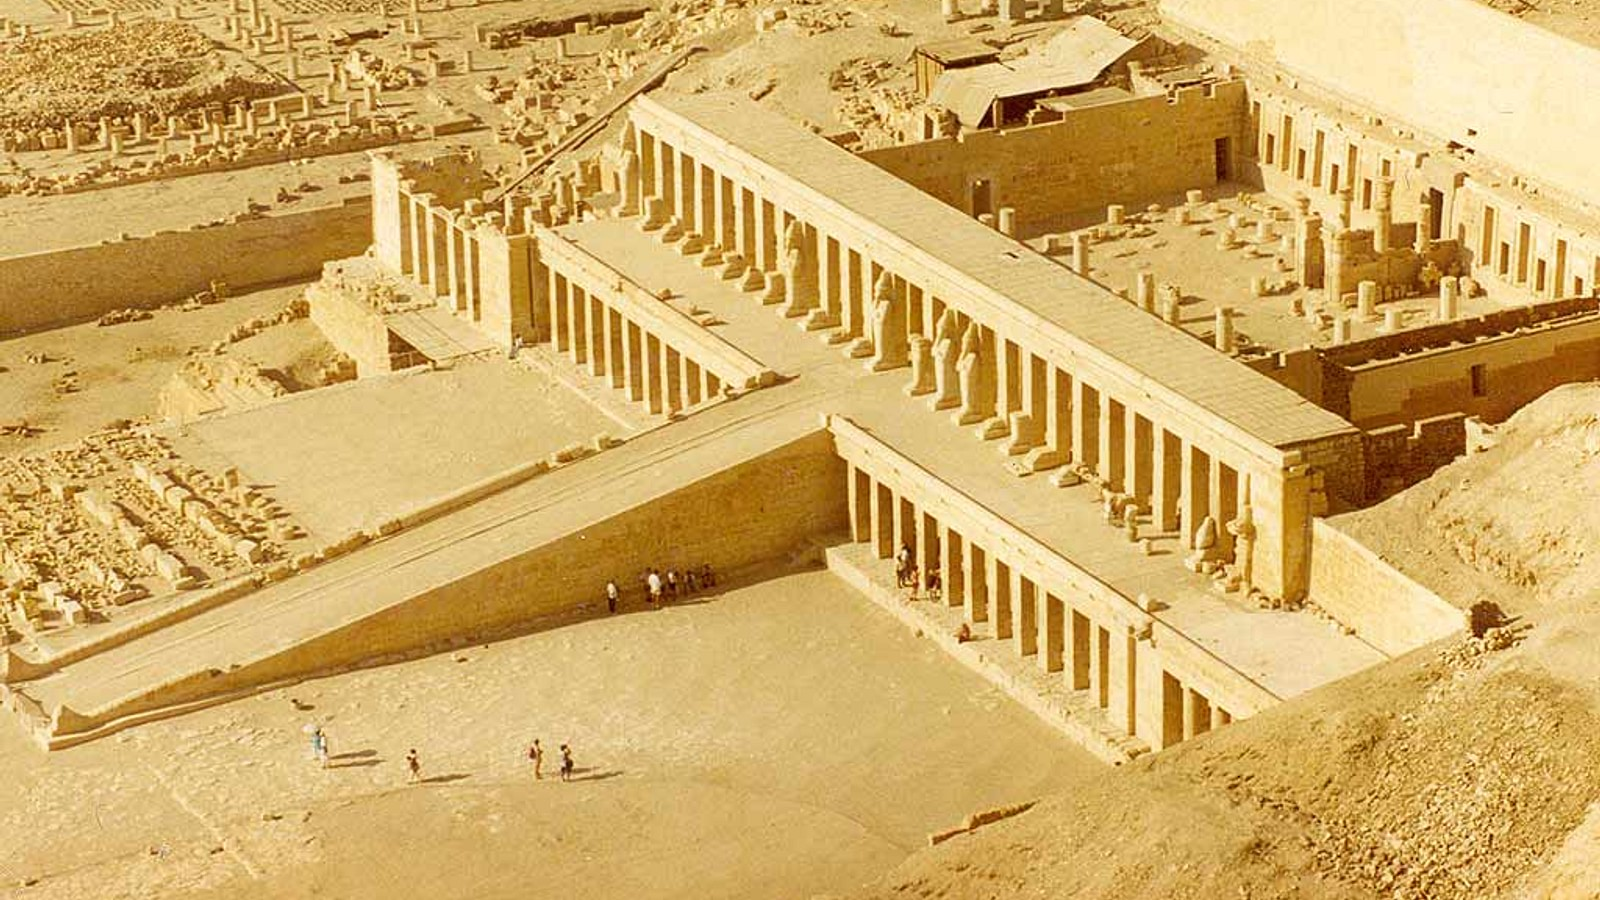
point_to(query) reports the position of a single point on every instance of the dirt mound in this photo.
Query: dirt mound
(1516, 523)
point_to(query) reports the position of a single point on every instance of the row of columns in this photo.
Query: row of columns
(1100, 658)
(596, 335)
(1045, 415)
(439, 250)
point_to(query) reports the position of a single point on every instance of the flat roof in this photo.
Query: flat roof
(1073, 57)
(958, 50)
(956, 243)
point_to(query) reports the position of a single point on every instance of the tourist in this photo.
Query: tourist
(612, 594)
(902, 564)
(935, 585)
(414, 765)
(319, 746)
(653, 582)
(964, 633)
(707, 579)
(913, 578)
(691, 582)
(672, 584)
(566, 763)
(536, 753)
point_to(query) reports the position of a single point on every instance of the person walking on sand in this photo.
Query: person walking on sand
(414, 765)
(612, 595)
(707, 578)
(672, 584)
(691, 582)
(653, 582)
(566, 763)
(536, 753)
(319, 746)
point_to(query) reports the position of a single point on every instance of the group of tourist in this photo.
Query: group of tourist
(908, 576)
(319, 752)
(662, 587)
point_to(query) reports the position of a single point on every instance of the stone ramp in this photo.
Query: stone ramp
(701, 492)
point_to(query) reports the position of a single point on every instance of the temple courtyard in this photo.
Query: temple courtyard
(781, 737)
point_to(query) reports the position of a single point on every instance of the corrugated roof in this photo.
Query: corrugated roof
(1073, 57)
(1094, 321)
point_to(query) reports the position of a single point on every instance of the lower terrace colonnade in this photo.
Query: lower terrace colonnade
(1151, 682)
(865, 276)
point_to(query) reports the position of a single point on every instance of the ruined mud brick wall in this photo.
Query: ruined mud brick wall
(62, 286)
(1508, 90)
(1489, 366)
(1362, 592)
(1115, 153)
(755, 512)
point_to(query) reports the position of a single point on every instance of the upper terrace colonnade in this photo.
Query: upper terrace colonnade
(1068, 369)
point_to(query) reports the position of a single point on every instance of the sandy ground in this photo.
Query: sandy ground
(779, 740)
(354, 454)
(119, 369)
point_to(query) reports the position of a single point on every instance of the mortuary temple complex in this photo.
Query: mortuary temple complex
(1079, 342)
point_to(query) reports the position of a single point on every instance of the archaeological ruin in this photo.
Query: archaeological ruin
(1086, 344)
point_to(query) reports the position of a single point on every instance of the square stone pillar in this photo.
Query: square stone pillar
(831, 280)
(975, 571)
(1123, 681)
(559, 318)
(634, 361)
(859, 487)
(767, 227)
(1100, 665)
(652, 373)
(1138, 470)
(692, 383)
(421, 247)
(727, 214)
(952, 566)
(671, 380)
(1078, 655)
(928, 548)
(1024, 614)
(850, 312)
(597, 336)
(706, 218)
(688, 208)
(577, 334)
(615, 355)
(1112, 436)
(1051, 631)
(1196, 714)
(666, 175)
(745, 220)
(1058, 411)
(1166, 481)
(999, 578)
(883, 521)
(1224, 489)
(1085, 424)
(455, 264)
(1196, 504)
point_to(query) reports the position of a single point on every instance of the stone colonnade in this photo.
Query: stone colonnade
(1152, 683)
(1018, 382)
(628, 338)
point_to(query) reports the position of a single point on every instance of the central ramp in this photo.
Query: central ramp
(533, 552)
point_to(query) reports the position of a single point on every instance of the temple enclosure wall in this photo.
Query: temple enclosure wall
(1117, 152)
(1362, 592)
(57, 287)
(1508, 90)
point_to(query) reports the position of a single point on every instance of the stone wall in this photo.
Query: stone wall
(1511, 369)
(58, 287)
(755, 512)
(1361, 591)
(1122, 152)
(1508, 90)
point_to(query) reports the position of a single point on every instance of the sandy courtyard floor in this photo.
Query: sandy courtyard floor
(352, 455)
(780, 740)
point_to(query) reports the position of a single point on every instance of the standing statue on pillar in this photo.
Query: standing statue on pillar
(888, 325)
(798, 283)
(975, 403)
(947, 392)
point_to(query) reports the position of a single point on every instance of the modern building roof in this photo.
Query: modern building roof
(1089, 319)
(959, 50)
(1073, 57)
